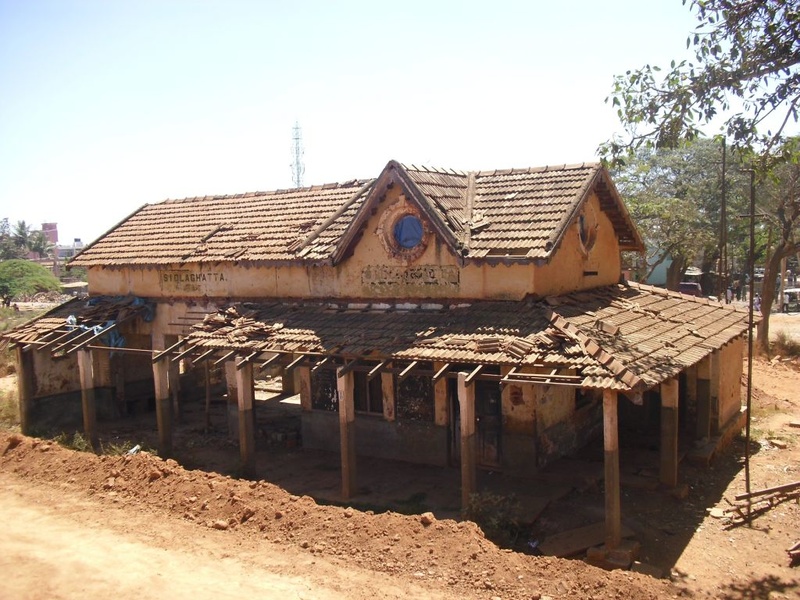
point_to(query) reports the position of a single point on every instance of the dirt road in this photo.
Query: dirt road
(59, 544)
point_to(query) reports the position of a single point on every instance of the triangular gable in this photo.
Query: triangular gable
(396, 174)
(494, 216)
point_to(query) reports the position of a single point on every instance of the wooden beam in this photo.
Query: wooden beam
(787, 487)
(295, 363)
(178, 357)
(376, 370)
(43, 345)
(475, 372)
(246, 360)
(224, 357)
(407, 371)
(205, 355)
(320, 364)
(347, 368)
(269, 361)
(159, 355)
(72, 340)
(441, 372)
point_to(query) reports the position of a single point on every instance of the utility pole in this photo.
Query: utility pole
(298, 168)
(723, 230)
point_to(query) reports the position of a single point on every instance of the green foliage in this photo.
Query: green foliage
(746, 66)
(23, 277)
(674, 196)
(75, 441)
(496, 514)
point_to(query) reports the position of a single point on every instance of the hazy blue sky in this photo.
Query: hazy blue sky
(107, 105)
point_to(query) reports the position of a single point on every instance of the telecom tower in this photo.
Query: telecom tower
(298, 168)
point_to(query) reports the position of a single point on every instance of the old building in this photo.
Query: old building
(456, 318)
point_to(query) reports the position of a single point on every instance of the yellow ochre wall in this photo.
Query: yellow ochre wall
(371, 272)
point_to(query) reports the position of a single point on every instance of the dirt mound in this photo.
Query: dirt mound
(452, 555)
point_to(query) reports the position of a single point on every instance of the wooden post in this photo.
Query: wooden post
(25, 389)
(611, 448)
(441, 414)
(387, 391)
(347, 432)
(163, 407)
(88, 397)
(289, 380)
(466, 405)
(174, 389)
(232, 405)
(303, 375)
(245, 388)
(207, 368)
(703, 398)
(669, 433)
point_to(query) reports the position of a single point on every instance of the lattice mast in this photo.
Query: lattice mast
(298, 168)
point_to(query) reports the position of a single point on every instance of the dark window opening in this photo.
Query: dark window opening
(324, 391)
(415, 397)
(367, 394)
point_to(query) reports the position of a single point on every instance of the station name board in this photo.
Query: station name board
(187, 280)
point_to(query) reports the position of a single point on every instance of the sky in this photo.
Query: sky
(107, 105)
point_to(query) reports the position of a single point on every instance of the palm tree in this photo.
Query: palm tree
(22, 235)
(39, 244)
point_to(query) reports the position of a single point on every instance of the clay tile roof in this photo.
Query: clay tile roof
(260, 226)
(77, 320)
(508, 214)
(623, 337)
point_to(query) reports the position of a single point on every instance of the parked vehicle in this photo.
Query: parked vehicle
(791, 300)
(690, 288)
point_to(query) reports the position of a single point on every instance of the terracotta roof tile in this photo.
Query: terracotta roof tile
(518, 213)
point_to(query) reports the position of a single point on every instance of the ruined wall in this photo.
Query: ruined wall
(730, 376)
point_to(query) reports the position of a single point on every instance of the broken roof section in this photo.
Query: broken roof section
(80, 322)
(626, 337)
(516, 214)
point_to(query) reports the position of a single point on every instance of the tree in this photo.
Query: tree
(747, 55)
(25, 277)
(22, 236)
(8, 248)
(674, 196)
(779, 210)
(39, 244)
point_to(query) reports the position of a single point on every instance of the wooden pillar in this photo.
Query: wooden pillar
(703, 370)
(303, 380)
(88, 397)
(25, 389)
(289, 383)
(387, 391)
(174, 388)
(611, 456)
(466, 405)
(232, 405)
(669, 432)
(163, 407)
(441, 413)
(245, 388)
(714, 387)
(347, 432)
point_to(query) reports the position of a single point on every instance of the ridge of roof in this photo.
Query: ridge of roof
(261, 194)
(494, 172)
